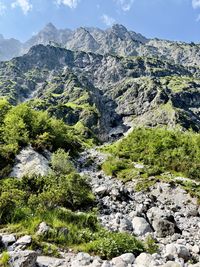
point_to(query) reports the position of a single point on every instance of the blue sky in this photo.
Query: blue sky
(167, 19)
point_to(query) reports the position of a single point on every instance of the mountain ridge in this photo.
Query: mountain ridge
(116, 40)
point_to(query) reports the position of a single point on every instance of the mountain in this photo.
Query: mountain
(116, 40)
(9, 48)
(133, 201)
(106, 93)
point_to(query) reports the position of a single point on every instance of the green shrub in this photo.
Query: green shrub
(114, 244)
(159, 149)
(150, 245)
(4, 259)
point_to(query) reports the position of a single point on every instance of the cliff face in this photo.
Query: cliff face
(107, 93)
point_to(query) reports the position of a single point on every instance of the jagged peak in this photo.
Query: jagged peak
(50, 27)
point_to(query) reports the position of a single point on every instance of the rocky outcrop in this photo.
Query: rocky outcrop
(106, 94)
(29, 162)
(166, 212)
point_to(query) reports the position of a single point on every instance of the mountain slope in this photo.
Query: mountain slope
(106, 93)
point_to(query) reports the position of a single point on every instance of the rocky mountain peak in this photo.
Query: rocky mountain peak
(49, 27)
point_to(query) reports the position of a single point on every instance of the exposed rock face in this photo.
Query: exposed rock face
(115, 40)
(107, 94)
(29, 162)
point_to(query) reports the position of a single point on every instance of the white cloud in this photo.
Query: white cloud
(2, 9)
(109, 21)
(196, 3)
(125, 4)
(69, 3)
(25, 5)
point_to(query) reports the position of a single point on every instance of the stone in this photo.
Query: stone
(195, 249)
(106, 264)
(125, 224)
(44, 261)
(24, 258)
(145, 260)
(183, 252)
(43, 229)
(96, 263)
(171, 251)
(163, 228)
(118, 262)
(129, 258)
(8, 240)
(101, 190)
(24, 240)
(82, 259)
(141, 226)
(29, 162)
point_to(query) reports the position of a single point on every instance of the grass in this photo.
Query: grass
(160, 151)
(83, 233)
(4, 259)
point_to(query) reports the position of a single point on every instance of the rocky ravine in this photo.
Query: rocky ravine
(165, 212)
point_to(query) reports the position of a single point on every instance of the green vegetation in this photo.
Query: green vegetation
(110, 245)
(22, 125)
(64, 200)
(159, 149)
(4, 259)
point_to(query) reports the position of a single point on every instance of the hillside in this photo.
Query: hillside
(99, 150)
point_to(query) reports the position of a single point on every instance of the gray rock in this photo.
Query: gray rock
(29, 162)
(106, 264)
(82, 259)
(25, 258)
(141, 226)
(183, 252)
(44, 261)
(129, 258)
(145, 260)
(118, 262)
(171, 251)
(8, 240)
(163, 227)
(195, 249)
(101, 190)
(24, 240)
(43, 229)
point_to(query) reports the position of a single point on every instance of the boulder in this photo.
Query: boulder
(183, 252)
(24, 258)
(129, 258)
(118, 262)
(145, 260)
(176, 250)
(82, 259)
(141, 226)
(101, 190)
(44, 261)
(163, 228)
(8, 240)
(24, 240)
(29, 162)
(43, 229)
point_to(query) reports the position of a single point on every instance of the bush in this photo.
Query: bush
(114, 244)
(159, 149)
(4, 259)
